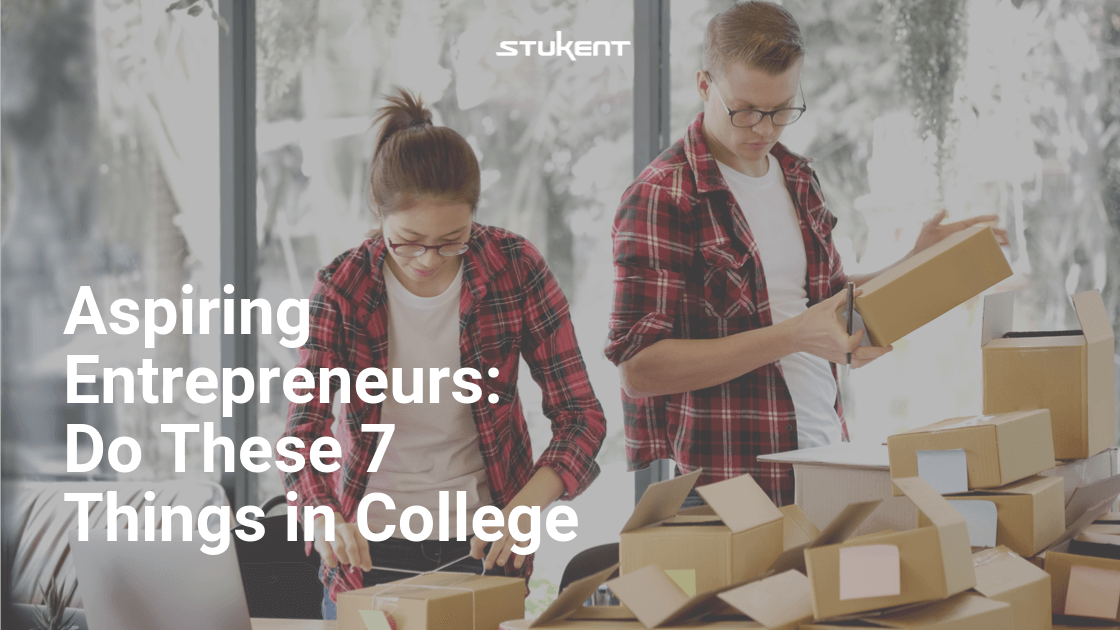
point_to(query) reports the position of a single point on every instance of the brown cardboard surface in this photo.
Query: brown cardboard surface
(999, 449)
(966, 611)
(1031, 516)
(931, 283)
(438, 600)
(799, 530)
(1058, 566)
(1082, 472)
(656, 600)
(739, 539)
(935, 561)
(1072, 376)
(1006, 577)
(778, 602)
(829, 478)
(571, 598)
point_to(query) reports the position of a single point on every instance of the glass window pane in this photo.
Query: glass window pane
(1018, 96)
(110, 181)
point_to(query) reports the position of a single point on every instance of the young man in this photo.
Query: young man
(727, 282)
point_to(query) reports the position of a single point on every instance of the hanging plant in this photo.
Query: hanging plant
(932, 37)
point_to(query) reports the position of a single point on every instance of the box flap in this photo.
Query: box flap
(837, 531)
(571, 598)
(952, 530)
(843, 454)
(799, 530)
(598, 613)
(1031, 485)
(656, 600)
(999, 570)
(740, 502)
(1095, 498)
(999, 313)
(660, 501)
(1093, 317)
(776, 601)
(956, 608)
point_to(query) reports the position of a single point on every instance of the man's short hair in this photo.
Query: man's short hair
(761, 35)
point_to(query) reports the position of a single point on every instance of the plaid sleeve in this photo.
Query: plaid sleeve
(837, 278)
(312, 420)
(653, 246)
(552, 353)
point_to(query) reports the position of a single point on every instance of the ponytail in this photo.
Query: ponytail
(414, 159)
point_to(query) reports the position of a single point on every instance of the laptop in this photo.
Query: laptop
(127, 585)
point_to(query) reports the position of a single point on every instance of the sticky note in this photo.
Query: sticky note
(946, 471)
(1093, 592)
(375, 620)
(981, 518)
(685, 578)
(869, 571)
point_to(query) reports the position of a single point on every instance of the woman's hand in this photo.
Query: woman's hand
(820, 332)
(543, 488)
(933, 231)
(348, 547)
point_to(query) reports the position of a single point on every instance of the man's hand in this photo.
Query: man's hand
(933, 231)
(543, 488)
(819, 331)
(348, 547)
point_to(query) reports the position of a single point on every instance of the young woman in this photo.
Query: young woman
(433, 289)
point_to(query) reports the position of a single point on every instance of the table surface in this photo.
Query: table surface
(293, 624)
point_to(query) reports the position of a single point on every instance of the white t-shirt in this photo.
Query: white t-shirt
(776, 228)
(435, 445)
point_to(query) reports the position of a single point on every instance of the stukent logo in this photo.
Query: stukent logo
(558, 47)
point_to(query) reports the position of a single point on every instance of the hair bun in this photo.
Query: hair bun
(404, 111)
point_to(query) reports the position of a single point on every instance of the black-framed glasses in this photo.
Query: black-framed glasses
(751, 117)
(415, 250)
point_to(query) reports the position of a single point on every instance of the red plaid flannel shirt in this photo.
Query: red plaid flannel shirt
(511, 306)
(687, 267)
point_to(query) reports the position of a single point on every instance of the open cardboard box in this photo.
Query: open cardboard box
(1077, 473)
(1029, 515)
(1086, 585)
(437, 600)
(772, 601)
(966, 611)
(829, 478)
(1087, 504)
(735, 538)
(1004, 576)
(1068, 372)
(888, 569)
(929, 284)
(567, 611)
(998, 450)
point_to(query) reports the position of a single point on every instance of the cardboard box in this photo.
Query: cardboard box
(773, 602)
(437, 600)
(1081, 472)
(829, 478)
(737, 538)
(1030, 514)
(1005, 577)
(886, 570)
(1085, 586)
(797, 527)
(929, 284)
(998, 450)
(1070, 373)
(966, 611)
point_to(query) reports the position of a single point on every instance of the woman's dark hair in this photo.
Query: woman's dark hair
(415, 159)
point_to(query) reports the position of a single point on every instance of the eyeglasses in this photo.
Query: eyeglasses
(415, 250)
(751, 117)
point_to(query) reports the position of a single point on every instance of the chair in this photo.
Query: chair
(589, 562)
(279, 579)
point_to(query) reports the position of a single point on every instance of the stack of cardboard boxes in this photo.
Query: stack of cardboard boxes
(987, 529)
